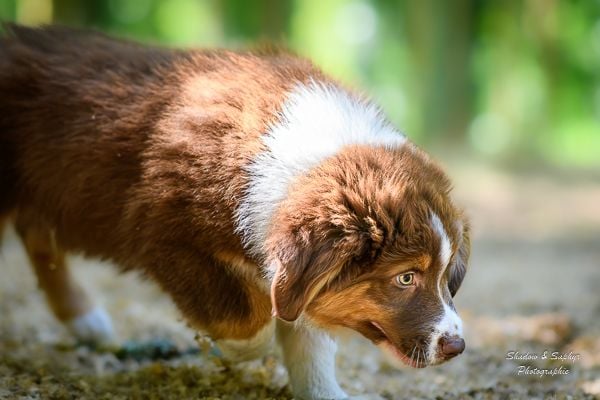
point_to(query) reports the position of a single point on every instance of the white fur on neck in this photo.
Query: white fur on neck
(316, 121)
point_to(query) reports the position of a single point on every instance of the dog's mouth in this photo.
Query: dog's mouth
(416, 358)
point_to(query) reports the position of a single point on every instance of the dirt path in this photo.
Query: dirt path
(534, 286)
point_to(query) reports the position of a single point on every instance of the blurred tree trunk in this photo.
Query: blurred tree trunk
(260, 19)
(440, 34)
(81, 13)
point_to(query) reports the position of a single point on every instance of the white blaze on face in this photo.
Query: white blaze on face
(450, 323)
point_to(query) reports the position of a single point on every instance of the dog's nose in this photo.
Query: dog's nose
(451, 346)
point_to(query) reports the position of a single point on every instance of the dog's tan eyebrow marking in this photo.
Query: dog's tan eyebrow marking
(403, 268)
(393, 267)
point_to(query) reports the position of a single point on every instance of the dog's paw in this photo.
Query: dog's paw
(92, 328)
(321, 394)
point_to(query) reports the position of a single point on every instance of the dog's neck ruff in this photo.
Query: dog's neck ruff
(315, 122)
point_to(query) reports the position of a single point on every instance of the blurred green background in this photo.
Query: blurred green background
(515, 82)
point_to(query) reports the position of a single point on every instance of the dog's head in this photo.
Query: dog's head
(370, 240)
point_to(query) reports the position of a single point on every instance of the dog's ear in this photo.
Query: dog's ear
(459, 266)
(301, 271)
(304, 263)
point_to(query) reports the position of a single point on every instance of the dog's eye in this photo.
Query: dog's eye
(405, 279)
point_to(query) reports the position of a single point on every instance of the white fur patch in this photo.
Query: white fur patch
(316, 122)
(309, 355)
(94, 327)
(445, 247)
(248, 349)
(450, 324)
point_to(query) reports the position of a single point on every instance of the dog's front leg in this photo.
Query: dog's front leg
(309, 355)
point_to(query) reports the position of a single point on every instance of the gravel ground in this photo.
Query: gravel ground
(533, 287)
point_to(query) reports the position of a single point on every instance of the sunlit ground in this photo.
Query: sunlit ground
(533, 286)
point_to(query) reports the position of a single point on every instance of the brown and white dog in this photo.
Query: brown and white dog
(262, 196)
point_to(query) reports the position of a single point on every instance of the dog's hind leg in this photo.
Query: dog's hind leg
(67, 299)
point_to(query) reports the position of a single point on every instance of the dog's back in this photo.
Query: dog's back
(97, 133)
(70, 100)
(7, 168)
(48, 77)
